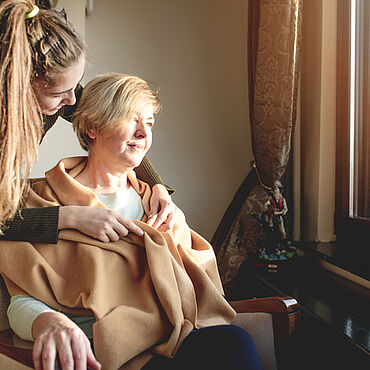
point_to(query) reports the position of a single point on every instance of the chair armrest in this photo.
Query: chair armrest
(18, 350)
(285, 315)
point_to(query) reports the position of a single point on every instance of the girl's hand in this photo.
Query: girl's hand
(162, 208)
(56, 335)
(100, 223)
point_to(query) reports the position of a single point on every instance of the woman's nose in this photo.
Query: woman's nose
(141, 129)
(70, 98)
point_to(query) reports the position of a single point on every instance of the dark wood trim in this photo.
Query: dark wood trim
(363, 165)
(343, 112)
(350, 231)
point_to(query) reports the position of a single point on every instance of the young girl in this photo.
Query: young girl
(42, 62)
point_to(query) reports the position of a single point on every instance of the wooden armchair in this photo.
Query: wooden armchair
(270, 321)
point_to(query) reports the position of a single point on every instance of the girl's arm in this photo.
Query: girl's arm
(41, 225)
(147, 173)
(33, 225)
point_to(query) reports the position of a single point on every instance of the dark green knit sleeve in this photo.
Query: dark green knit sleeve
(148, 174)
(38, 225)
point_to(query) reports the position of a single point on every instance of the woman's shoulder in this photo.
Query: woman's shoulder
(40, 194)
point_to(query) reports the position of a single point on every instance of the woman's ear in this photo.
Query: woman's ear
(91, 133)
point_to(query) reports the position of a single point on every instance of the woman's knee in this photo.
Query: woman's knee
(220, 346)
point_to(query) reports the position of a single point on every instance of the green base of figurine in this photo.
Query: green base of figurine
(273, 261)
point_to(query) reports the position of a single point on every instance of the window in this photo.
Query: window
(353, 125)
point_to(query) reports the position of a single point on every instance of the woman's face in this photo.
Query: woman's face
(126, 147)
(51, 97)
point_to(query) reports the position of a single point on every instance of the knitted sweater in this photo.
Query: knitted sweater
(41, 224)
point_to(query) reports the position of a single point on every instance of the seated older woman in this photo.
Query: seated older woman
(155, 301)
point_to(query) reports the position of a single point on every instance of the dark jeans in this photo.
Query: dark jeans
(216, 347)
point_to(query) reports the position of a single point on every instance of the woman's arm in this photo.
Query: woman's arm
(33, 225)
(41, 225)
(100, 223)
(55, 335)
(163, 211)
(147, 173)
(22, 312)
(58, 336)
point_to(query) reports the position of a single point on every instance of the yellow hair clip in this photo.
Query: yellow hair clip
(33, 12)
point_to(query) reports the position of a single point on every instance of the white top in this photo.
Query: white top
(125, 202)
(23, 310)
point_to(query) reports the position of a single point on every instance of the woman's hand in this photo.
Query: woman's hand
(162, 208)
(100, 223)
(56, 335)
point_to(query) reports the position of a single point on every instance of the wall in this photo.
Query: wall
(194, 52)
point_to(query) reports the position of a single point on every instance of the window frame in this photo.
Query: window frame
(351, 231)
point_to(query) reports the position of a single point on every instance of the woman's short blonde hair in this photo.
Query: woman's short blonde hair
(108, 99)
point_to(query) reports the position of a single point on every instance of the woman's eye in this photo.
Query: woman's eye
(150, 123)
(56, 96)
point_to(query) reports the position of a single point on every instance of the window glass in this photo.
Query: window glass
(359, 184)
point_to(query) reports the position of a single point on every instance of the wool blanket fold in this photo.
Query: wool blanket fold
(147, 294)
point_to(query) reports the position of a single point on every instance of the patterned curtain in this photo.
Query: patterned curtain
(274, 46)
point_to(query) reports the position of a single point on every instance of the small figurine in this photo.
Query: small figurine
(276, 209)
(274, 244)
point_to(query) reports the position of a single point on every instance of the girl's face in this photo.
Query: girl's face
(126, 147)
(51, 97)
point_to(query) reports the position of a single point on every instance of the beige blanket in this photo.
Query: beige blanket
(146, 293)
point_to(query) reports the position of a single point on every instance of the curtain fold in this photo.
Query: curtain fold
(274, 34)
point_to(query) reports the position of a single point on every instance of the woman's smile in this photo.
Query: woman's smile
(137, 146)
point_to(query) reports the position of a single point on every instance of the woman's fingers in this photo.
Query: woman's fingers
(110, 226)
(100, 223)
(49, 355)
(152, 219)
(161, 216)
(171, 219)
(129, 226)
(44, 353)
(167, 214)
(162, 208)
(113, 230)
(79, 353)
(57, 336)
(65, 353)
(92, 364)
(72, 348)
(36, 354)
